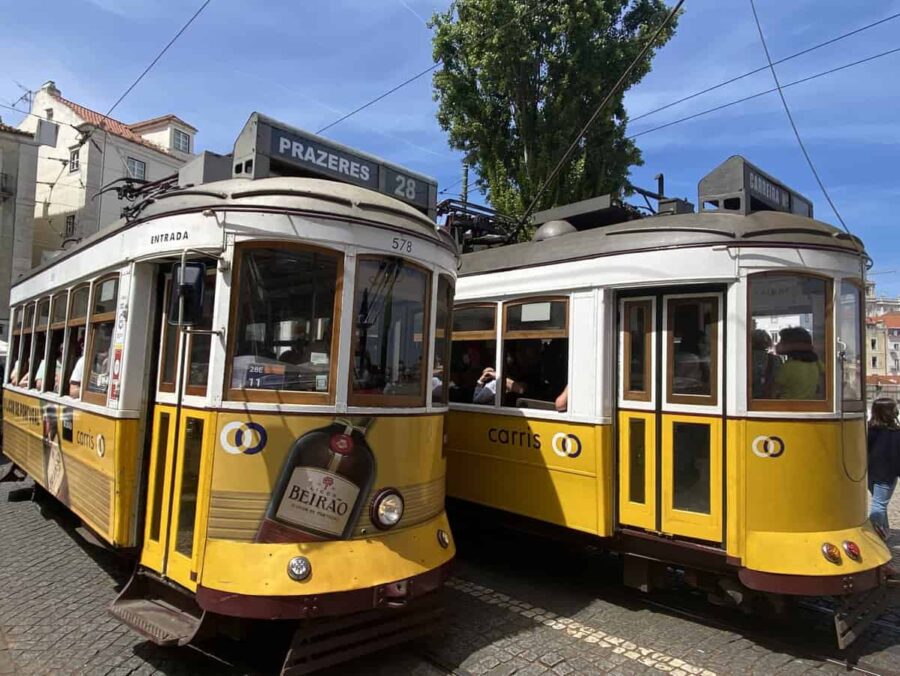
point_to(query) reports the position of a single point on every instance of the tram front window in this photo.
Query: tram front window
(439, 376)
(283, 324)
(391, 334)
(850, 335)
(474, 350)
(789, 339)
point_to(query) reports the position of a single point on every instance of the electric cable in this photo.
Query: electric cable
(743, 99)
(790, 117)
(559, 165)
(766, 67)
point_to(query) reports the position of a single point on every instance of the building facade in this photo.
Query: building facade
(18, 173)
(879, 305)
(90, 152)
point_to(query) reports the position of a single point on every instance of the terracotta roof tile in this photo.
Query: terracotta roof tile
(891, 320)
(12, 130)
(111, 125)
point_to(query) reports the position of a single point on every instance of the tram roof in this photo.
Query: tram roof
(287, 194)
(706, 228)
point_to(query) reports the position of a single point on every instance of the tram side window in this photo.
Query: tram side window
(283, 338)
(103, 318)
(473, 356)
(14, 346)
(51, 372)
(536, 355)
(200, 344)
(390, 305)
(73, 374)
(790, 316)
(38, 366)
(440, 384)
(23, 367)
(850, 335)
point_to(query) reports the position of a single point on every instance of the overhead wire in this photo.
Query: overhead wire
(734, 79)
(128, 91)
(559, 165)
(787, 110)
(743, 99)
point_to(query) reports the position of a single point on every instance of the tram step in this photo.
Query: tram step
(325, 642)
(857, 612)
(158, 610)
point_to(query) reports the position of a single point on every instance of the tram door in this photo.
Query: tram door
(670, 423)
(179, 453)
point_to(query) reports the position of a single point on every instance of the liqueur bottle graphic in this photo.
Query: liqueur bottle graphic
(54, 465)
(325, 479)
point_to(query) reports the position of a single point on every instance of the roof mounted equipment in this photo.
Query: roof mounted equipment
(736, 185)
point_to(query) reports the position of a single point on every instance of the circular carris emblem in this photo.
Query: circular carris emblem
(243, 437)
(767, 447)
(566, 445)
(101, 445)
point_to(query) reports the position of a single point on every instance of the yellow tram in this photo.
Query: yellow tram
(687, 387)
(242, 381)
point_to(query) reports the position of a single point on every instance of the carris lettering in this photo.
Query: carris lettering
(515, 438)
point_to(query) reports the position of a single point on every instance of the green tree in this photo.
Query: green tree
(519, 78)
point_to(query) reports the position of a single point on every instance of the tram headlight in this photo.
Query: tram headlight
(299, 568)
(387, 508)
(852, 550)
(831, 552)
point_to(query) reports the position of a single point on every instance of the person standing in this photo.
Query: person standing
(884, 460)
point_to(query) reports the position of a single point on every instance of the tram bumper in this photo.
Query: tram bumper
(250, 580)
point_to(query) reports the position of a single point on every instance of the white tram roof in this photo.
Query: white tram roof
(707, 228)
(289, 195)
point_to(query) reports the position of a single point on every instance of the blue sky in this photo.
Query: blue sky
(308, 63)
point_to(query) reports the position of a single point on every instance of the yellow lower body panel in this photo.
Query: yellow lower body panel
(790, 553)
(338, 565)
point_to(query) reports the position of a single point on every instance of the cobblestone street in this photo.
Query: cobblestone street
(517, 608)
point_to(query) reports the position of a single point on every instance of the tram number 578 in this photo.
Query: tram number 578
(401, 244)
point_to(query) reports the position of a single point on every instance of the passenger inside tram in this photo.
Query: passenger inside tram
(802, 374)
(72, 383)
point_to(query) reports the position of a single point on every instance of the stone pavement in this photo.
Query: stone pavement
(516, 606)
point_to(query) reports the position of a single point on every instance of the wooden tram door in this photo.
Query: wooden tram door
(669, 419)
(180, 448)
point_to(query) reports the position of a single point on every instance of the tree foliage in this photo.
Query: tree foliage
(519, 78)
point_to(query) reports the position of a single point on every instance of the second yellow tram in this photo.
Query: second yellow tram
(687, 387)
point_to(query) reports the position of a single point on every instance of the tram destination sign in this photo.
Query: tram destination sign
(266, 147)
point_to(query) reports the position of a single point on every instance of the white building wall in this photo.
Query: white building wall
(18, 160)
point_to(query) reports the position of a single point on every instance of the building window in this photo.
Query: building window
(70, 225)
(872, 343)
(874, 362)
(136, 168)
(181, 141)
(74, 161)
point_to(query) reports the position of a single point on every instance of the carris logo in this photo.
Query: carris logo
(243, 437)
(566, 445)
(767, 447)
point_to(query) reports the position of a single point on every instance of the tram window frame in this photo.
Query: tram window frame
(12, 360)
(209, 296)
(627, 392)
(534, 334)
(444, 334)
(483, 335)
(95, 320)
(711, 399)
(283, 396)
(52, 370)
(856, 404)
(27, 340)
(169, 331)
(825, 405)
(41, 326)
(73, 323)
(382, 400)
